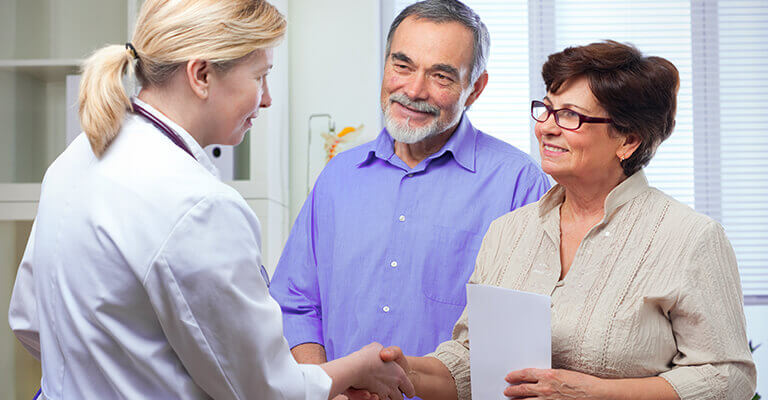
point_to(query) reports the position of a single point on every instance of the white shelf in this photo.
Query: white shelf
(47, 70)
(18, 201)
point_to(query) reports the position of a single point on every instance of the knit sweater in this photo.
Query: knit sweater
(653, 290)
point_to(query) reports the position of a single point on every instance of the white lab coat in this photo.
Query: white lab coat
(142, 280)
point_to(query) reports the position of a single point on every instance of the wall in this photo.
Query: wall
(757, 331)
(269, 142)
(335, 55)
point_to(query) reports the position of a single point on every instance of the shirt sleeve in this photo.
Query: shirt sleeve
(713, 360)
(532, 183)
(22, 313)
(214, 307)
(295, 282)
(454, 353)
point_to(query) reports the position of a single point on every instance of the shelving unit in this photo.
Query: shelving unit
(44, 41)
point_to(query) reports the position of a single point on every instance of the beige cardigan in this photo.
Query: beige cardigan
(653, 290)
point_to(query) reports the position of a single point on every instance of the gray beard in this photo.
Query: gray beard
(404, 133)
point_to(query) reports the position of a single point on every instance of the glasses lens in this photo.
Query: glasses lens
(568, 119)
(539, 112)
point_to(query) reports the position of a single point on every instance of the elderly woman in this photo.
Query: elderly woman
(646, 297)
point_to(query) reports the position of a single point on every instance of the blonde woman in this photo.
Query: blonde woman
(142, 277)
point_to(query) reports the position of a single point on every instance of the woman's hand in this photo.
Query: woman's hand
(395, 354)
(551, 384)
(389, 354)
(386, 379)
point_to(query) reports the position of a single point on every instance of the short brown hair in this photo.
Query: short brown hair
(639, 93)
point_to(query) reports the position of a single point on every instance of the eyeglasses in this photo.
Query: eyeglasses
(564, 118)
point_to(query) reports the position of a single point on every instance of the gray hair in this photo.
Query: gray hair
(441, 11)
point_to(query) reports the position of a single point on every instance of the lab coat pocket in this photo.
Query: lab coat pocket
(450, 264)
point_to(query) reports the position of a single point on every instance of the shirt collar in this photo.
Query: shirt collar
(461, 145)
(620, 195)
(194, 147)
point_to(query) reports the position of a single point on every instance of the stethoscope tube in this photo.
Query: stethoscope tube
(167, 130)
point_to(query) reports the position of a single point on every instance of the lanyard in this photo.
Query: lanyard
(167, 131)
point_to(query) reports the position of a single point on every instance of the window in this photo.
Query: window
(715, 161)
(504, 107)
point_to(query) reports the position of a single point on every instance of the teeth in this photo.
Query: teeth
(556, 149)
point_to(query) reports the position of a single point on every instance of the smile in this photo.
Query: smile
(410, 109)
(554, 149)
(413, 106)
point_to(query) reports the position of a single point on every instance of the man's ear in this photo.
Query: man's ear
(198, 74)
(477, 89)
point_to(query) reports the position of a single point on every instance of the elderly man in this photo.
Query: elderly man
(386, 241)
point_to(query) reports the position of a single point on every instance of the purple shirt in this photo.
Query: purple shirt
(382, 252)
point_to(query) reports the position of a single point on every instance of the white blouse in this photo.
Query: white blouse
(653, 290)
(142, 280)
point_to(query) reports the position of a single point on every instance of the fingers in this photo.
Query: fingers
(355, 394)
(524, 375)
(406, 386)
(391, 353)
(395, 354)
(521, 390)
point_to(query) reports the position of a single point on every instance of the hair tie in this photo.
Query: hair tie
(132, 50)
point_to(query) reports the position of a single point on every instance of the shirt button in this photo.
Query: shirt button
(393, 264)
(410, 175)
(402, 218)
(607, 233)
(385, 308)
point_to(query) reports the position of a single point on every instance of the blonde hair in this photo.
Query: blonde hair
(169, 33)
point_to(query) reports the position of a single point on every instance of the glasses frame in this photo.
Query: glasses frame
(551, 111)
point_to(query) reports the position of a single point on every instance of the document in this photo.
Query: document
(508, 330)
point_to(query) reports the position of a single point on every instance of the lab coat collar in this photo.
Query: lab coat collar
(200, 155)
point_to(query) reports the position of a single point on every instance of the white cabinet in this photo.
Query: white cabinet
(41, 42)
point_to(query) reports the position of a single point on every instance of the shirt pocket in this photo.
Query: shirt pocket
(449, 265)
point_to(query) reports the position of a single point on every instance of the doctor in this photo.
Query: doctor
(142, 278)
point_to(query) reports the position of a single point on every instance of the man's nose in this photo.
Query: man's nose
(416, 87)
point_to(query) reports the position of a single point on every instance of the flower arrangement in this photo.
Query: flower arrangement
(333, 141)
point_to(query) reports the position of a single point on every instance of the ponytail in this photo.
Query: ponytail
(170, 33)
(103, 99)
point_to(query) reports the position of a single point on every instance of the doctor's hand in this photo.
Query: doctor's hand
(389, 354)
(550, 384)
(383, 375)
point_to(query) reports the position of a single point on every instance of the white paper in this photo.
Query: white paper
(509, 330)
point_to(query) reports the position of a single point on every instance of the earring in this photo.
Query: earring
(622, 158)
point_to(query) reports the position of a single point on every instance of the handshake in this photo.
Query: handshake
(373, 373)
